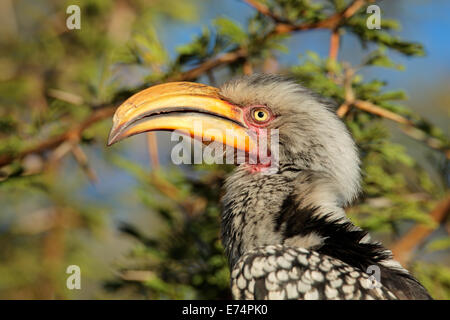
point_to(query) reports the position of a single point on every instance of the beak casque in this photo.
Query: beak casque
(184, 106)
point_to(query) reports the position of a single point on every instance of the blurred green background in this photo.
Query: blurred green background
(140, 227)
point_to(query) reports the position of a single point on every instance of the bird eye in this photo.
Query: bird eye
(260, 114)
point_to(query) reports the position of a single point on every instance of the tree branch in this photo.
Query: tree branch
(83, 162)
(331, 22)
(262, 8)
(224, 59)
(374, 109)
(409, 128)
(334, 44)
(404, 247)
(105, 111)
(152, 146)
(349, 95)
(51, 143)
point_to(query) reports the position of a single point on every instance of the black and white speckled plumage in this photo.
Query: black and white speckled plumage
(285, 272)
(286, 234)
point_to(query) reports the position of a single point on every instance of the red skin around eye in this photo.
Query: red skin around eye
(260, 129)
(250, 122)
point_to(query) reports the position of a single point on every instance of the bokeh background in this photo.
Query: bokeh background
(140, 227)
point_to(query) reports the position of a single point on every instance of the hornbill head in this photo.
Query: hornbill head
(310, 135)
(317, 161)
(269, 216)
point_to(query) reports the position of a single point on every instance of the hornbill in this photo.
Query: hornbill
(284, 231)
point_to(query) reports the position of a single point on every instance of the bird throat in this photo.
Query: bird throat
(253, 213)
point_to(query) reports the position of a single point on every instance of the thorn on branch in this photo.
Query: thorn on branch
(82, 160)
(65, 96)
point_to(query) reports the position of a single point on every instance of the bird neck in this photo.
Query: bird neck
(296, 208)
(267, 209)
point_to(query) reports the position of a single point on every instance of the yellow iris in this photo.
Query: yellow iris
(260, 115)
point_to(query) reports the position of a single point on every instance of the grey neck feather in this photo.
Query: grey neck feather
(252, 202)
(318, 168)
(318, 159)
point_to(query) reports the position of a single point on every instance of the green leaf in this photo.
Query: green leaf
(439, 244)
(231, 30)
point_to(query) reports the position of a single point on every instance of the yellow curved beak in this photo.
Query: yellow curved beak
(193, 109)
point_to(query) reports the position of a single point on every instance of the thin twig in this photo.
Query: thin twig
(83, 162)
(331, 22)
(192, 74)
(192, 206)
(247, 68)
(408, 126)
(152, 145)
(374, 109)
(53, 142)
(334, 44)
(136, 275)
(350, 100)
(224, 59)
(65, 96)
(262, 8)
(349, 95)
(106, 111)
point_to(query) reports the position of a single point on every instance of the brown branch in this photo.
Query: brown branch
(192, 206)
(349, 95)
(103, 112)
(353, 8)
(192, 74)
(331, 22)
(343, 109)
(270, 65)
(247, 68)
(51, 143)
(136, 275)
(65, 96)
(152, 145)
(404, 247)
(262, 8)
(224, 59)
(408, 128)
(281, 27)
(334, 44)
(83, 162)
(374, 109)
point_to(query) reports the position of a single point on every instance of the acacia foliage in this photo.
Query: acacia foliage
(57, 80)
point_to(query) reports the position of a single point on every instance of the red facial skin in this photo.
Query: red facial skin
(260, 129)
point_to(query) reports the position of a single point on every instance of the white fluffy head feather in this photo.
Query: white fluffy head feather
(311, 135)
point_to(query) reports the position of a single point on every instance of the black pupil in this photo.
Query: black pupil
(260, 114)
